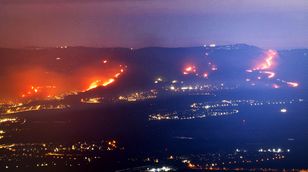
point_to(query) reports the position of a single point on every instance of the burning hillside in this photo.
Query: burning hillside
(25, 83)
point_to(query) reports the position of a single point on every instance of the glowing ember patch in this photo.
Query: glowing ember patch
(205, 75)
(98, 83)
(189, 70)
(270, 74)
(38, 91)
(94, 84)
(108, 82)
(293, 84)
(104, 83)
(276, 86)
(117, 75)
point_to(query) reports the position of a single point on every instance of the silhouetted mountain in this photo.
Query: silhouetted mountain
(146, 64)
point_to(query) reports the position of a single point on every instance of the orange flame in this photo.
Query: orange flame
(293, 84)
(38, 91)
(189, 69)
(111, 80)
(270, 74)
(99, 82)
(268, 63)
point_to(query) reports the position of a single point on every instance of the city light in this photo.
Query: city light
(283, 110)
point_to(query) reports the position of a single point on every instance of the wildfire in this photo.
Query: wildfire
(293, 84)
(104, 83)
(98, 83)
(189, 70)
(94, 84)
(108, 82)
(269, 73)
(265, 68)
(38, 82)
(39, 91)
(268, 62)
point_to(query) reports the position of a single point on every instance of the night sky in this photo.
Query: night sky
(137, 23)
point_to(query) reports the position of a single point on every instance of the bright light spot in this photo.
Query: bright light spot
(212, 45)
(205, 75)
(283, 110)
(279, 150)
(159, 169)
(249, 71)
(214, 68)
(189, 70)
(159, 79)
(276, 86)
(207, 107)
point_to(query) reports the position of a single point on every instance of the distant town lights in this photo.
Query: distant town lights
(212, 45)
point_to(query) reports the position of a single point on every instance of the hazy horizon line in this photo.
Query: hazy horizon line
(154, 46)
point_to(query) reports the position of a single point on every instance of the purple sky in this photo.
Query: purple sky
(141, 23)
